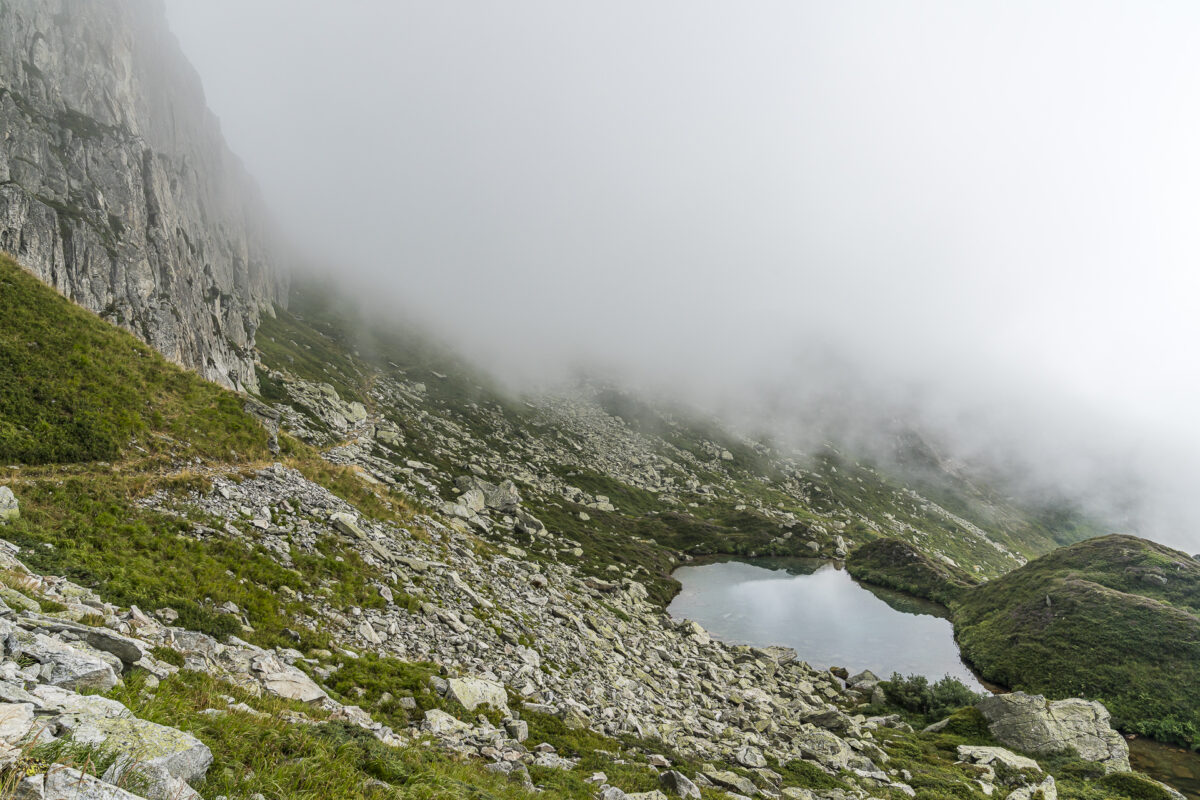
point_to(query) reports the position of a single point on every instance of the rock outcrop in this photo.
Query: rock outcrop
(117, 188)
(1033, 724)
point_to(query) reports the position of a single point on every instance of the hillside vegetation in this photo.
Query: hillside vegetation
(77, 389)
(634, 485)
(1115, 619)
(899, 565)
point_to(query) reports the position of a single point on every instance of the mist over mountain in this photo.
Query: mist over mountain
(595, 402)
(974, 221)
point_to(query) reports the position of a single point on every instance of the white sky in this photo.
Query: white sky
(998, 203)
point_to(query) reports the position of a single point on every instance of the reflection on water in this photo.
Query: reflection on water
(818, 609)
(1179, 768)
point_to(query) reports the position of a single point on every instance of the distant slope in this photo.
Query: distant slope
(1115, 619)
(899, 565)
(625, 484)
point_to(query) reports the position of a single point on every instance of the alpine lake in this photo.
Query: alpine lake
(830, 619)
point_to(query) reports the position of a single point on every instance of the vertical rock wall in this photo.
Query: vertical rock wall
(117, 188)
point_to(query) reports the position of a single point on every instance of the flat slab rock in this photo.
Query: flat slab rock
(994, 755)
(69, 666)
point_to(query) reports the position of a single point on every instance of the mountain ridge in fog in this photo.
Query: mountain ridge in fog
(979, 214)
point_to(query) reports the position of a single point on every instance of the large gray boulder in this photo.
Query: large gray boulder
(992, 755)
(825, 748)
(284, 680)
(16, 719)
(474, 692)
(1033, 724)
(679, 785)
(731, 781)
(130, 651)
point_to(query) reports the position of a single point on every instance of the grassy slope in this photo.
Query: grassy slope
(898, 565)
(1096, 619)
(75, 389)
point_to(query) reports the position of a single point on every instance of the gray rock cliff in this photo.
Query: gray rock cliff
(117, 188)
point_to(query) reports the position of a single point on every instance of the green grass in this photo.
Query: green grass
(1091, 620)
(899, 565)
(87, 528)
(378, 683)
(286, 761)
(74, 388)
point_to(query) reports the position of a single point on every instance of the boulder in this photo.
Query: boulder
(1046, 790)
(750, 757)
(553, 761)
(678, 784)
(503, 498)
(54, 699)
(130, 651)
(1033, 724)
(292, 684)
(730, 780)
(823, 747)
(154, 780)
(155, 746)
(866, 676)
(284, 680)
(474, 692)
(832, 719)
(347, 524)
(68, 666)
(10, 509)
(16, 719)
(67, 783)
(439, 722)
(995, 755)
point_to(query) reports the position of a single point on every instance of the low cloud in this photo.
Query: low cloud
(983, 217)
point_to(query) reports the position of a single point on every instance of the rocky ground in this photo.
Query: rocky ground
(513, 638)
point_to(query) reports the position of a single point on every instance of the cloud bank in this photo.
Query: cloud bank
(983, 215)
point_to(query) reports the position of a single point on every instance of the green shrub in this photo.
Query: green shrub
(916, 695)
(1133, 786)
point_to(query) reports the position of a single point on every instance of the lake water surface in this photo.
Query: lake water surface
(831, 620)
(818, 609)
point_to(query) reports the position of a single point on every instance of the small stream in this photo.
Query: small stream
(815, 607)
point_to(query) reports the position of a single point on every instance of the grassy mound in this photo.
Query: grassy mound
(74, 388)
(1115, 619)
(899, 565)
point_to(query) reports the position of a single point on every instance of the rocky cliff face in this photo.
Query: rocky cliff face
(117, 188)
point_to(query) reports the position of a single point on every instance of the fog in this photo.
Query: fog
(977, 218)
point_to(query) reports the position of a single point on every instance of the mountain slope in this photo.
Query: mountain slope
(1115, 618)
(635, 485)
(326, 632)
(77, 389)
